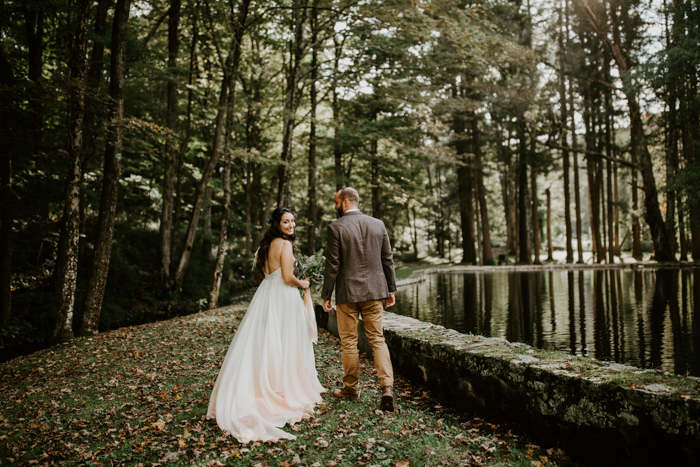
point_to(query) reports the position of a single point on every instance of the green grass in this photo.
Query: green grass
(139, 396)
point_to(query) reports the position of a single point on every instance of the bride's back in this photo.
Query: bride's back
(274, 255)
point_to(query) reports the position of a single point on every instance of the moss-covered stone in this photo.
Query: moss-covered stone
(589, 406)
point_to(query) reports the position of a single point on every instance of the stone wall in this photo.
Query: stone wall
(603, 413)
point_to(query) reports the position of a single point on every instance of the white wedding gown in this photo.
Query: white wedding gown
(268, 378)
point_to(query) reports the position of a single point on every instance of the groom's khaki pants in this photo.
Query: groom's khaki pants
(348, 318)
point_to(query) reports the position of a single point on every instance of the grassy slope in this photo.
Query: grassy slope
(139, 395)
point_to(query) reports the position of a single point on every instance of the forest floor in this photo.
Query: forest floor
(138, 396)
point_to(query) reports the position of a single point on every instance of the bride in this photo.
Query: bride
(268, 378)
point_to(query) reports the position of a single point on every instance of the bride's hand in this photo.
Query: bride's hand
(305, 283)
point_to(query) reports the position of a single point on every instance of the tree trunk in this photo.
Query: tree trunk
(7, 115)
(223, 234)
(608, 112)
(636, 228)
(297, 51)
(312, 206)
(201, 187)
(375, 173)
(660, 239)
(574, 148)
(440, 221)
(481, 189)
(67, 262)
(672, 159)
(657, 227)
(111, 175)
(593, 185)
(693, 155)
(534, 202)
(177, 202)
(563, 97)
(6, 201)
(34, 26)
(8, 118)
(335, 105)
(465, 182)
(228, 143)
(255, 216)
(577, 187)
(230, 72)
(206, 218)
(524, 244)
(166, 214)
(509, 205)
(93, 110)
(681, 231)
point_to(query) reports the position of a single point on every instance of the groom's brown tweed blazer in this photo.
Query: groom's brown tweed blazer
(359, 263)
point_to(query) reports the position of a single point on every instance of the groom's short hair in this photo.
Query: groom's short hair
(351, 195)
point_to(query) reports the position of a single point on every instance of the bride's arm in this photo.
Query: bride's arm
(287, 265)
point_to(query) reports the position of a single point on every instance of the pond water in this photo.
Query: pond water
(649, 318)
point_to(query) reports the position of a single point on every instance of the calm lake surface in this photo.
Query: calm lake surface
(649, 318)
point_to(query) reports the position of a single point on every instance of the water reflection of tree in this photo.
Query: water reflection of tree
(621, 314)
(539, 291)
(679, 348)
(646, 317)
(638, 300)
(601, 336)
(514, 325)
(470, 303)
(582, 312)
(572, 316)
(487, 283)
(611, 285)
(657, 310)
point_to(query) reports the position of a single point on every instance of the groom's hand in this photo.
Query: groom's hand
(327, 306)
(389, 302)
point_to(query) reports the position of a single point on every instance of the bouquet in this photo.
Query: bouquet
(311, 268)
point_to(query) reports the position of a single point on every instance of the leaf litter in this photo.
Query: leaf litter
(139, 395)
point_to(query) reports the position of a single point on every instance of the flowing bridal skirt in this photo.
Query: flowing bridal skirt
(268, 378)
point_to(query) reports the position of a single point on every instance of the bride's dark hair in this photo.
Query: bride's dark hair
(273, 231)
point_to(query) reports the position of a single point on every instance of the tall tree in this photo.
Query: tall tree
(465, 172)
(230, 71)
(177, 201)
(312, 204)
(624, 13)
(564, 122)
(297, 51)
(524, 244)
(487, 257)
(67, 262)
(8, 114)
(239, 27)
(166, 216)
(110, 176)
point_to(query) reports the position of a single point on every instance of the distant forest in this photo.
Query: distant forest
(145, 142)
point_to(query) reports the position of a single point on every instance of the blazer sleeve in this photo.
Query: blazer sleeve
(330, 272)
(388, 262)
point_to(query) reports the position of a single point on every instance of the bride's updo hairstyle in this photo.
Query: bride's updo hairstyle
(273, 231)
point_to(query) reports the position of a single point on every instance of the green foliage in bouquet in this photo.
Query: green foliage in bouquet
(311, 268)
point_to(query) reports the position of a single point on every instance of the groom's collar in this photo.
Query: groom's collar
(351, 210)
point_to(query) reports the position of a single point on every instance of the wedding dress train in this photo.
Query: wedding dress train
(268, 378)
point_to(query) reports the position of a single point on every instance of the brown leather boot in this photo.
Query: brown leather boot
(345, 393)
(387, 403)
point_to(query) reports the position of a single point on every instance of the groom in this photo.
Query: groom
(360, 266)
